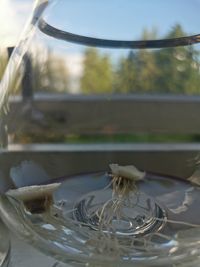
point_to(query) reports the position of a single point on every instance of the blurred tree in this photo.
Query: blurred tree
(147, 72)
(3, 60)
(13, 84)
(139, 71)
(171, 70)
(179, 67)
(126, 74)
(50, 73)
(97, 74)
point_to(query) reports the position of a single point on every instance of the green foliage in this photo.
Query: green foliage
(13, 79)
(179, 67)
(50, 73)
(172, 70)
(97, 73)
(146, 72)
(3, 61)
(125, 76)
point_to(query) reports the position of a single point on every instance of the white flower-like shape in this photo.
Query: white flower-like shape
(33, 192)
(128, 172)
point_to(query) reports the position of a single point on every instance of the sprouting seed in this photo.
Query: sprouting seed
(36, 199)
(124, 181)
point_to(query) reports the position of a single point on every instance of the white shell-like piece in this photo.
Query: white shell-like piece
(33, 192)
(129, 172)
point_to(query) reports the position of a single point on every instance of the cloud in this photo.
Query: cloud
(13, 15)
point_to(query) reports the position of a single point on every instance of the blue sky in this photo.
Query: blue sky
(115, 19)
(125, 18)
(105, 18)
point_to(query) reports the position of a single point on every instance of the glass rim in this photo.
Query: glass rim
(111, 43)
(5, 248)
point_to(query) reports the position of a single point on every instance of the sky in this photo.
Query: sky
(90, 17)
(102, 19)
(13, 14)
(124, 18)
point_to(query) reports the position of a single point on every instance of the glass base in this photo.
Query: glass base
(135, 215)
(4, 246)
(151, 226)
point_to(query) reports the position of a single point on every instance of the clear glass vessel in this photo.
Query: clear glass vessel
(96, 83)
(4, 246)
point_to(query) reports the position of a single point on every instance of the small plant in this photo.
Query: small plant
(36, 199)
(123, 183)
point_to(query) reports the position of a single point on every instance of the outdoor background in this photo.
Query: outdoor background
(93, 71)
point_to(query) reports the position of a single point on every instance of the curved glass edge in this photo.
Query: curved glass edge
(4, 246)
(13, 217)
(106, 43)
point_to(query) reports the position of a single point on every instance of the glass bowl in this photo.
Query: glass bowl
(160, 225)
(96, 83)
(4, 246)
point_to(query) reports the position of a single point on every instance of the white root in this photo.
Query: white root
(124, 180)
